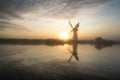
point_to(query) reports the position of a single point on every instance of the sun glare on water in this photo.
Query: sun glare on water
(64, 36)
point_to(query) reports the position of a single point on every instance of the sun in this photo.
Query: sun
(64, 36)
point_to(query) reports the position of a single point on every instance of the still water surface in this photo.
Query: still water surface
(66, 62)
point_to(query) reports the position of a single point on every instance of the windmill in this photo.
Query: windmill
(74, 30)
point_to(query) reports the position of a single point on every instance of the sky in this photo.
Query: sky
(41, 19)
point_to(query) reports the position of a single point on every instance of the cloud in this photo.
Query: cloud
(7, 10)
(6, 24)
(15, 9)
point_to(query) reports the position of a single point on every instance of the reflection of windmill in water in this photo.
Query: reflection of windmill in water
(74, 44)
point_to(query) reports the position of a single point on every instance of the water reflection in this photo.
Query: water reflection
(48, 62)
(101, 46)
(74, 52)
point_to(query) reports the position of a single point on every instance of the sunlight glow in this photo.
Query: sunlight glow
(64, 36)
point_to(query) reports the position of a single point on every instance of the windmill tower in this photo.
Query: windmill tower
(74, 30)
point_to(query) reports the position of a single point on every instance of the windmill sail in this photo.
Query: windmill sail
(77, 25)
(70, 25)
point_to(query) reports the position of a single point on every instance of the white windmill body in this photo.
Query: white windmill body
(75, 38)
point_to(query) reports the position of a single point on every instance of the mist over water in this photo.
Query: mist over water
(43, 62)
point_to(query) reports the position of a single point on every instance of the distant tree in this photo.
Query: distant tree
(100, 40)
